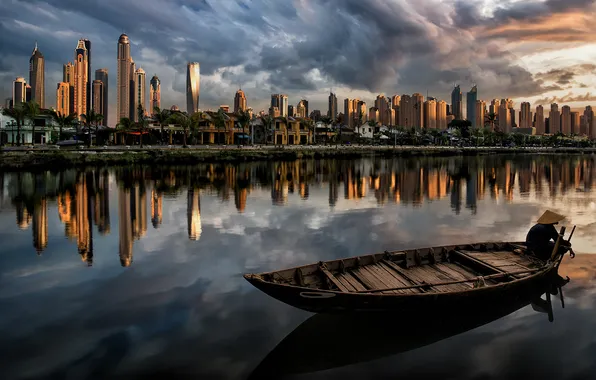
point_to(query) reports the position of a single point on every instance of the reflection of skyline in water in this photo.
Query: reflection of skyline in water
(82, 198)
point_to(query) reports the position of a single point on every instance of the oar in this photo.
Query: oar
(571, 253)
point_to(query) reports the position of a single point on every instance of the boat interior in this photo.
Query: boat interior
(428, 270)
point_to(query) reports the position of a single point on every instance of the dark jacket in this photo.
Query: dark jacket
(539, 238)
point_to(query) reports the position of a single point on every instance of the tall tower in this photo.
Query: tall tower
(566, 120)
(283, 105)
(19, 91)
(193, 87)
(441, 115)
(554, 119)
(154, 93)
(88, 47)
(332, 113)
(81, 79)
(63, 98)
(471, 98)
(525, 115)
(68, 76)
(132, 111)
(102, 75)
(36, 77)
(123, 80)
(418, 110)
(456, 103)
(539, 123)
(140, 91)
(239, 101)
(98, 93)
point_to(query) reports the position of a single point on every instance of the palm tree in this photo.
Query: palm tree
(267, 122)
(220, 122)
(286, 121)
(490, 120)
(162, 116)
(62, 120)
(142, 125)
(244, 120)
(33, 111)
(92, 119)
(125, 125)
(310, 125)
(19, 114)
(185, 121)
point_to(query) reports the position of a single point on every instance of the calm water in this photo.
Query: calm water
(128, 272)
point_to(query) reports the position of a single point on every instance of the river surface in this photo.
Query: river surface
(137, 271)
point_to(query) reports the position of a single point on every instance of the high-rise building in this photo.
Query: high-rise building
(395, 102)
(504, 116)
(554, 117)
(494, 107)
(63, 98)
(349, 112)
(361, 112)
(98, 95)
(27, 93)
(430, 114)
(441, 115)
(525, 115)
(123, 81)
(291, 111)
(471, 98)
(575, 122)
(193, 87)
(81, 79)
(88, 47)
(418, 109)
(19, 91)
(406, 111)
(154, 93)
(283, 105)
(132, 110)
(36, 77)
(140, 91)
(332, 102)
(566, 120)
(373, 114)
(102, 75)
(589, 122)
(301, 109)
(539, 123)
(304, 104)
(456, 103)
(479, 114)
(68, 76)
(239, 101)
(382, 105)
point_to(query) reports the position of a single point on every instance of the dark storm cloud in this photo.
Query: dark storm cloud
(569, 98)
(566, 75)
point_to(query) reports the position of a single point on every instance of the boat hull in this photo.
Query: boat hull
(321, 301)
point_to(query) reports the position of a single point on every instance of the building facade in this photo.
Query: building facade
(456, 103)
(140, 92)
(123, 80)
(102, 76)
(63, 98)
(554, 119)
(97, 98)
(193, 87)
(239, 101)
(81, 79)
(37, 77)
(19, 91)
(471, 98)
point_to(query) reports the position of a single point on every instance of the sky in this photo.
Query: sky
(532, 50)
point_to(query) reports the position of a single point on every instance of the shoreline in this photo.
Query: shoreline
(52, 158)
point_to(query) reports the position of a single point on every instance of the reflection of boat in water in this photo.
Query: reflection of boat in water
(326, 341)
(412, 280)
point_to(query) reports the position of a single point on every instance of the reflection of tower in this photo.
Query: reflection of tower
(66, 214)
(124, 227)
(333, 190)
(40, 225)
(138, 212)
(23, 216)
(156, 208)
(193, 211)
(456, 196)
(240, 196)
(102, 205)
(471, 187)
(83, 225)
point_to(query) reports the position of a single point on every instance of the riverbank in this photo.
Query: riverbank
(52, 158)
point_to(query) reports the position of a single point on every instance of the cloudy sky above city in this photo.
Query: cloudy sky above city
(541, 51)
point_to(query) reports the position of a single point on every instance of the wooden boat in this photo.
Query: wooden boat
(384, 336)
(408, 280)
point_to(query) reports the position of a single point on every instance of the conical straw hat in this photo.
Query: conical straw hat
(550, 217)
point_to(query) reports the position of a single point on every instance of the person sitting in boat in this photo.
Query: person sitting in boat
(543, 235)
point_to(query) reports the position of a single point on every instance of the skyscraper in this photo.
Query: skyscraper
(480, 113)
(36, 77)
(566, 120)
(406, 111)
(430, 114)
(88, 47)
(554, 118)
(239, 101)
(349, 112)
(332, 103)
(575, 122)
(19, 91)
(302, 108)
(123, 80)
(81, 78)
(98, 92)
(68, 76)
(193, 87)
(442, 115)
(132, 110)
(63, 98)
(471, 98)
(382, 105)
(140, 91)
(525, 115)
(102, 75)
(589, 122)
(155, 93)
(456, 103)
(539, 123)
(504, 117)
(418, 109)
(305, 105)
(283, 105)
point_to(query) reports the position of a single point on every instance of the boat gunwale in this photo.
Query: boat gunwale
(257, 277)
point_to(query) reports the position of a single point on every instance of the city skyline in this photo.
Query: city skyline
(529, 65)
